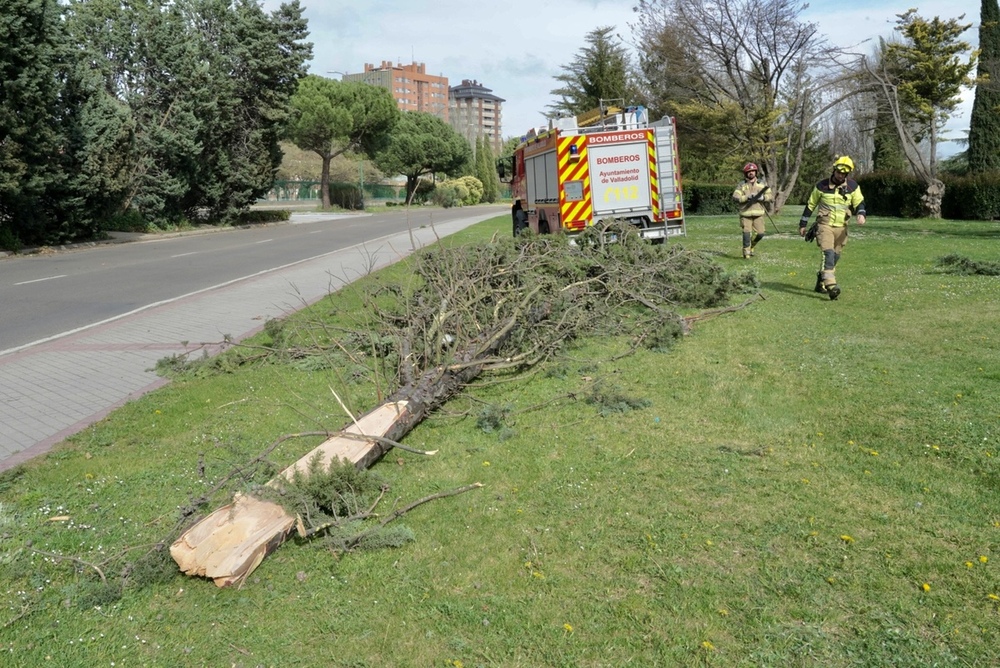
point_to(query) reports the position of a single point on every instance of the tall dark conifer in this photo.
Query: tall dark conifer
(31, 120)
(984, 124)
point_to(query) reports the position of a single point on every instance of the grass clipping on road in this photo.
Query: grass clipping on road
(802, 482)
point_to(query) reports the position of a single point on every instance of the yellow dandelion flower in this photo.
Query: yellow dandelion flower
(831, 579)
(925, 587)
(968, 564)
(486, 463)
(983, 558)
(707, 645)
(457, 664)
(536, 574)
(873, 453)
(805, 481)
(867, 472)
(819, 433)
(850, 442)
(993, 597)
(723, 612)
(708, 543)
(568, 627)
(847, 539)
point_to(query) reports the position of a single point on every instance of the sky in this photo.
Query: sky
(516, 48)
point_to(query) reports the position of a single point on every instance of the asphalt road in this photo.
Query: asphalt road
(46, 295)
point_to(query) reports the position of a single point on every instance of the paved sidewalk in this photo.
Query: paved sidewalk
(54, 389)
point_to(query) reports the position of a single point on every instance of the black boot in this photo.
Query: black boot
(833, 291)
(820, 288)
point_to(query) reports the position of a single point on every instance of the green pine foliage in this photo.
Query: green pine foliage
(422, 144)
(168, 110)
(599, 71)
(32, 127)
(984, 124)
(929, 69)
(332, 118)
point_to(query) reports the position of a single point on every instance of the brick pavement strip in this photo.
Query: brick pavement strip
(56, 388)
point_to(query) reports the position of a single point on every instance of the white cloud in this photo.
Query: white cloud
(518, 47)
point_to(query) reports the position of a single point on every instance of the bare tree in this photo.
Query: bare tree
(755, 74)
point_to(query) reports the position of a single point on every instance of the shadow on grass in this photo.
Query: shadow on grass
(789, 289)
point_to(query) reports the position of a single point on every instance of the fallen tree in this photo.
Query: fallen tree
(499, 307)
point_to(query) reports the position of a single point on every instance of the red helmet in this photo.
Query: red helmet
(750, 167)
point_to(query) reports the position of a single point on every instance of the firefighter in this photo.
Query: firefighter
(519, 217)
(751, 195)
(834, 200)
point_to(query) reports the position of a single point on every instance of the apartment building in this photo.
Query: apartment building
(410, 85)
(474, 111)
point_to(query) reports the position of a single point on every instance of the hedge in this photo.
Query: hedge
(893, 194)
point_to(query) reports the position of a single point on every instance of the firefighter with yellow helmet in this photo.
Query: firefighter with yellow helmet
(834, 200)
(750, 196)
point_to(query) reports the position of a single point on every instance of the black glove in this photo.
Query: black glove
(758, 197)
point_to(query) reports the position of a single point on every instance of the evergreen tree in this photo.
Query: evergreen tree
(984, 124)
(32, 120)
(600, 71)
(490, 178)
(422, 144)
(333, 117)
(486, 170)
(921, 79)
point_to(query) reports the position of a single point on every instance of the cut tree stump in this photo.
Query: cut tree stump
(230, 543)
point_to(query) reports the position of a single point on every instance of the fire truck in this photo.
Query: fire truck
(607, 165)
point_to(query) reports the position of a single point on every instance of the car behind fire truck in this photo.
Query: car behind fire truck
(608, 165)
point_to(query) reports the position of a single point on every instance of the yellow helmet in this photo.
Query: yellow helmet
(844, 164)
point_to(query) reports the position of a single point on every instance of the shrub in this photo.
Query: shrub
(449, 194)
(346, 196)
(258, 216)
(972, 197)
(423, 192)
(129, 221)
(708, 199)
(892, 194)
(474, 190)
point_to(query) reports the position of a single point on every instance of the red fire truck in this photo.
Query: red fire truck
(607, 165)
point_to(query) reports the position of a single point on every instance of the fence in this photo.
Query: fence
(294, 191)
(291, 191)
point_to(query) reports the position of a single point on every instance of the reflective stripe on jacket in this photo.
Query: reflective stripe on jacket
(744, 192)
(835, 204)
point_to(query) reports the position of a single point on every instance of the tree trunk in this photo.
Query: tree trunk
(231, 542)
(930, 201)
(324, 179)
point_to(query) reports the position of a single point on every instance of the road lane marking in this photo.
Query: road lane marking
(39, 280)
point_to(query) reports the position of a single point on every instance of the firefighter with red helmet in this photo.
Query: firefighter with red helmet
(834, 200)
(751, 196)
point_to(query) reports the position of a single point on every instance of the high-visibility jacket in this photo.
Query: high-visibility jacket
(833, 203)
(745, 191)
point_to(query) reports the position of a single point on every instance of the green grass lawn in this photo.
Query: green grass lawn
(813, 483)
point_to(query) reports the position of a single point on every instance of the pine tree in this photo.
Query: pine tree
(984, 124)
(600, 71)
(31, 138)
